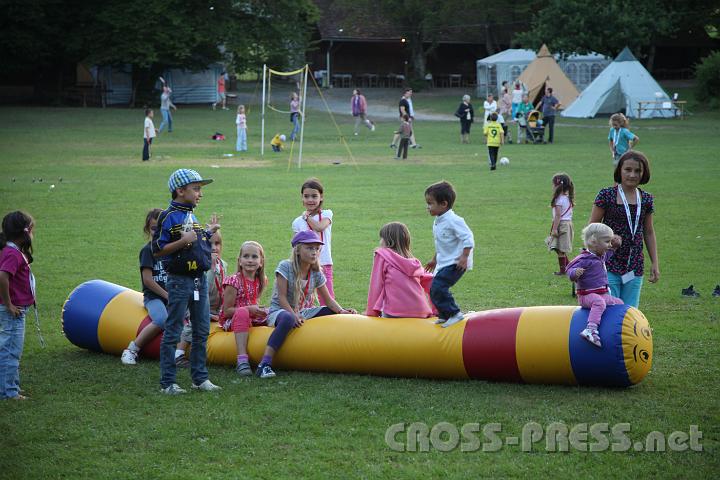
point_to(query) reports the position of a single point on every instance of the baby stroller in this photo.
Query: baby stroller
(534, 128)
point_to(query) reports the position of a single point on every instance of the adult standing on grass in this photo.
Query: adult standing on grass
(405, 107)
(165, 106)
(221, 97)
(358, 106)
(549, 105)
(490, 106)
(466, 114)
(628, 210)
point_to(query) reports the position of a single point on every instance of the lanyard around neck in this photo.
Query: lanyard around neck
(616, 136)
(628, 215)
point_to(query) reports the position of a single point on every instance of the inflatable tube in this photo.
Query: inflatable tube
(528, 344)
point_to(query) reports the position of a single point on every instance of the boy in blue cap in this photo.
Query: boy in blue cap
(184, 246)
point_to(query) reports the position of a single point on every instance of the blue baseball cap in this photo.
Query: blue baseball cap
(306, 236)
(185, 176)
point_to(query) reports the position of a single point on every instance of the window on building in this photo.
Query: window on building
(515, 72)
(584, 75)
(595, 71)
(571, 72)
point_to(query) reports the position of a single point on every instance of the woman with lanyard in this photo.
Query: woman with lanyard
(629, 212)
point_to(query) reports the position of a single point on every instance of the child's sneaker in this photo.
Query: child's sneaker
(591, 336)
(182, 362)
(716, 292)
(440, 321)
(173, 389)
(129, 357)
(265, 371)
(372, 127)
(243, 369)
(206, 386)
(458, 317)
(690, 292)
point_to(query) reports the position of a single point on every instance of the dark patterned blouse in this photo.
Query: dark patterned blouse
(615, 218)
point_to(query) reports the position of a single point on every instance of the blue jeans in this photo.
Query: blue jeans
(167, 119)
(12, 337)
(180, 290)
(296, 125)
(628, 292)
(157, 311)
(241, 145)
(440, 294)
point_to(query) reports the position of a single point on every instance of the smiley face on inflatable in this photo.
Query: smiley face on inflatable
(637, 344)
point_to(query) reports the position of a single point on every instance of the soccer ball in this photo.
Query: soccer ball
(504, 161)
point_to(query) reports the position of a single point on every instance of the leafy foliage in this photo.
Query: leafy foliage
(707, 76)
(578, 26)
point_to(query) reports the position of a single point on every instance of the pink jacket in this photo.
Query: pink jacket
(398, 286)
(358, 109)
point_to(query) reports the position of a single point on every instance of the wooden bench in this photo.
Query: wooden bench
(675, 106)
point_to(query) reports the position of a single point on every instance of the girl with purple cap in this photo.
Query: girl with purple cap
(297, 282)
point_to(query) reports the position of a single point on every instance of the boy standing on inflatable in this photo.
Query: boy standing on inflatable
(454, 243)
(184, 246)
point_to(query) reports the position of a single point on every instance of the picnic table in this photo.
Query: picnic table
(676, 106)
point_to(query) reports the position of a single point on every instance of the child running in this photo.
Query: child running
(241, 123)
(184, 246)
(318, 220)
(620, 138)
(240, 301)
(215, 277)
(588, 272)
(397, 280)
(155, 296)
(561, 231)
(454, 243)
(17, 295)
(495, 136)
(297, 281)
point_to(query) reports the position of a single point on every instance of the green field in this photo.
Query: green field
(91, 417)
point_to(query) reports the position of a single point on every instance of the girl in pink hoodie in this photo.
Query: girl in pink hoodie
(398, 282)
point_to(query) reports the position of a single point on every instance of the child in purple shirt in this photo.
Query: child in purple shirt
(588, 272)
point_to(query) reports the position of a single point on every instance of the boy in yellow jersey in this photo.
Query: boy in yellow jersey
(495, 136)
(277, 142)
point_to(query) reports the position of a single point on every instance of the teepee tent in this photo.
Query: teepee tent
(620, 87)
(544, 71)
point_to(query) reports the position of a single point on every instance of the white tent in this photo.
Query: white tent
(509, 64)
(620, 87)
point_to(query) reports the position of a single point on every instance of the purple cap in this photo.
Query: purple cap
(306, 236)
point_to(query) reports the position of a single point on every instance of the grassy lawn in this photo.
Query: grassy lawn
(90, 417)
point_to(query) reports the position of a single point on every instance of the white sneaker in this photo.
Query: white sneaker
(356, 134)
(458, 317)
(173, 389)
(206, 386)
(129, 357)
(440, 321)
(372, 127)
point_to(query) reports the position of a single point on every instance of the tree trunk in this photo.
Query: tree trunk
(650, 59)
(418, 57)
(489, 45)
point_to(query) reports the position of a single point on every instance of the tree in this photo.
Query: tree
(424, 23)
(579, 26)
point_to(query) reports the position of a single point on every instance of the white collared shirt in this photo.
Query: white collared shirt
(452, 236)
